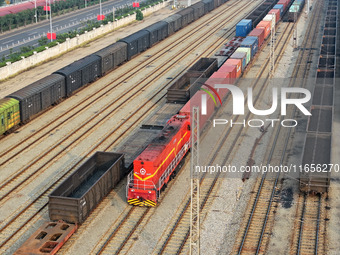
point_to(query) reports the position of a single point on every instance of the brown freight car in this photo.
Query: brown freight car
(74, 199)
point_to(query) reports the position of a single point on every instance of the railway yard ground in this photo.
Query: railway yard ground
(261, 215)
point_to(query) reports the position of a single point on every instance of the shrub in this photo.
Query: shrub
(139, 15)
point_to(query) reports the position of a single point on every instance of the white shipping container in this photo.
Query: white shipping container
(270, 17)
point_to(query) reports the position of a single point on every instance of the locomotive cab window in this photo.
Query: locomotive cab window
(2, 120)
(9, 115)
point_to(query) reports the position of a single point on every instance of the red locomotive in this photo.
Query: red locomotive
(153, 168)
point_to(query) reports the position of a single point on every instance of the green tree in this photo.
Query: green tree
(139, 15)
(9, 19)
(2, 24)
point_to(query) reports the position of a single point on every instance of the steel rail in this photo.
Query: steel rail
(111, 144)
(271, 154)
(220, 146)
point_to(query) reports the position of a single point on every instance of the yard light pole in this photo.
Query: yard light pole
(46, 10)
(35, 15)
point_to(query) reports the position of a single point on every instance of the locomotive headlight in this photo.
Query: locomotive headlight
(132, 190)
(149, 192)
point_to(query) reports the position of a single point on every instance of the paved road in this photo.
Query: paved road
(29, 35)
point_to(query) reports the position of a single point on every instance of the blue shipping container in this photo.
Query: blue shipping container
(251, 42)
(243, 27)
(280, 7)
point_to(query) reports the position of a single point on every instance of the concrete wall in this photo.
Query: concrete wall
(13, 68)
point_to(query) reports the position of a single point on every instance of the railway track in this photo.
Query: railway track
(175, 240)
(254, 234)
(108, 240)
(309, 235)
(30, 212)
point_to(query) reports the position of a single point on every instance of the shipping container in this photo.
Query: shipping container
(174, 23)
(157, 32)
(219, 78)
(81, 72)
(242, 56)
(266, 26)
(40, 95)
(277, 14)
(112, 56)
(196, 100)
(284, 3)
(136, 43)
(279, 7)
(74, 199)
(252, 43)
(246, 50)
(272, 19)
(9, 114)
(187, 16)
(231, 69)
(198, 10)
(259, 33)
(237, 63)
(243, 27)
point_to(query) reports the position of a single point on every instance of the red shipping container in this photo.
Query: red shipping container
(231, 70)
(196, 100)
(277, 14)
(266, 25)
(284, 3)
(237, 63)
(259, 33)
(219, 78)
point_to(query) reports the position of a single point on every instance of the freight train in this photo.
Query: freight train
(156, 165)
(317, 161)
(153, 168)
(35, 98)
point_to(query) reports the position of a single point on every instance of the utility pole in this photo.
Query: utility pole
(195, 185)
(189, 2)
(51, 22)
(307, 7)
(100, 8)
(272, 52)
(113, 14)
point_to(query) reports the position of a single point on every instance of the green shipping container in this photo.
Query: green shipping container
(9, 114)
(296, 7)
(246, 50)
